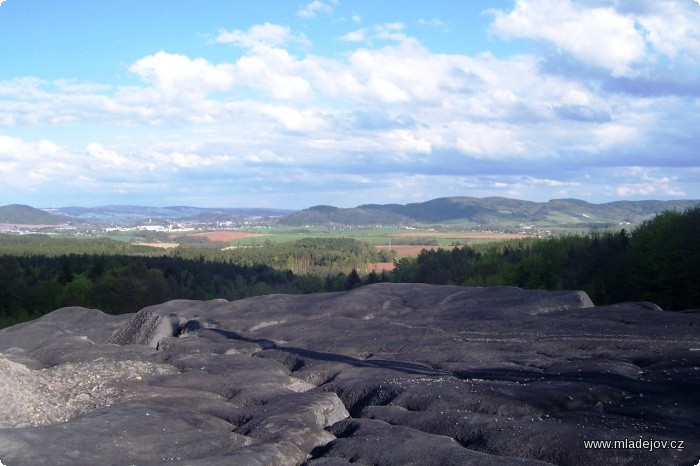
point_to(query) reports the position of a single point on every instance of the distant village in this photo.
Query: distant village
(170, 226)
(150, 225)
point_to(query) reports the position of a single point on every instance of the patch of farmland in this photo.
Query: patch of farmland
(380, 267)
(226, 235)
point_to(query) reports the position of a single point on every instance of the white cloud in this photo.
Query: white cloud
(310, 9)
(23, 88)
(266, 34)
(623, 39)
(549, 182)
(104, 158)
(596, 36)
(398, 104)
(189, 161)
(295, 120)
(173, 73)
(388, 75)
(273, 71)
(649, 189)
(613, 135)
(391, 31)
(15, 149)
(45, 165)
(411, 187)
(670, 27)
(481, 106)
(29, 165)
(267, 156)
(435, 22)
(484, 140)
(404, 141)
(147, 162)
(359, 35)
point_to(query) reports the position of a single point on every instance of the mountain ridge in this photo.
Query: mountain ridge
(135, 213)
(458, 210)
(26, 215)
(489, 211)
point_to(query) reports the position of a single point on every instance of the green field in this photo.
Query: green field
(281, 235)
(374, 236)
(378, 236)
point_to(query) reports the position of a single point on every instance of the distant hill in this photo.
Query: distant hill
(363, 215)
(495, 211)
(26, 215)
(133, 214)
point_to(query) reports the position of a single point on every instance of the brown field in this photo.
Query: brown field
(380, 267)
(227, 235)
(403, 250)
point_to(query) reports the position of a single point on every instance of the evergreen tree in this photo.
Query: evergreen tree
(353, 280)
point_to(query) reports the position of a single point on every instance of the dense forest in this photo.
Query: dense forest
(39, 274)
(44, 245)
(33, 285)
(659, 262)
(307, 255)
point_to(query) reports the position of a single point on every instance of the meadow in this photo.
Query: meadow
(383, 237)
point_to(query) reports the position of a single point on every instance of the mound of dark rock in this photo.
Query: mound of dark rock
(384, 374)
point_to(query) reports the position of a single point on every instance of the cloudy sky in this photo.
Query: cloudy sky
(291, 104)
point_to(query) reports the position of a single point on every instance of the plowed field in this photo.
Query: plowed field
(404, 250)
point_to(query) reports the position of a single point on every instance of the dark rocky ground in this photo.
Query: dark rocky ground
(384, 374)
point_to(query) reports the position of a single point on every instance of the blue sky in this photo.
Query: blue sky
(291, 104)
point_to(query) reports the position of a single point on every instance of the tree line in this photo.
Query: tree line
(39, 274)
(321, 256)
(658, 262)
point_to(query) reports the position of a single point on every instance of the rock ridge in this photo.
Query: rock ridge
(383, 374)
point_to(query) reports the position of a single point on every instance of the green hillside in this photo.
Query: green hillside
(26, 215)
(363, 215)
(497, 211)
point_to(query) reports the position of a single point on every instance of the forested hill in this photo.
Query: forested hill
(489, 211)
(132, 214)
(466, 211)
(26, 215)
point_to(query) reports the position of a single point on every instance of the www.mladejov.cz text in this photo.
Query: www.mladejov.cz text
(635, 444)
